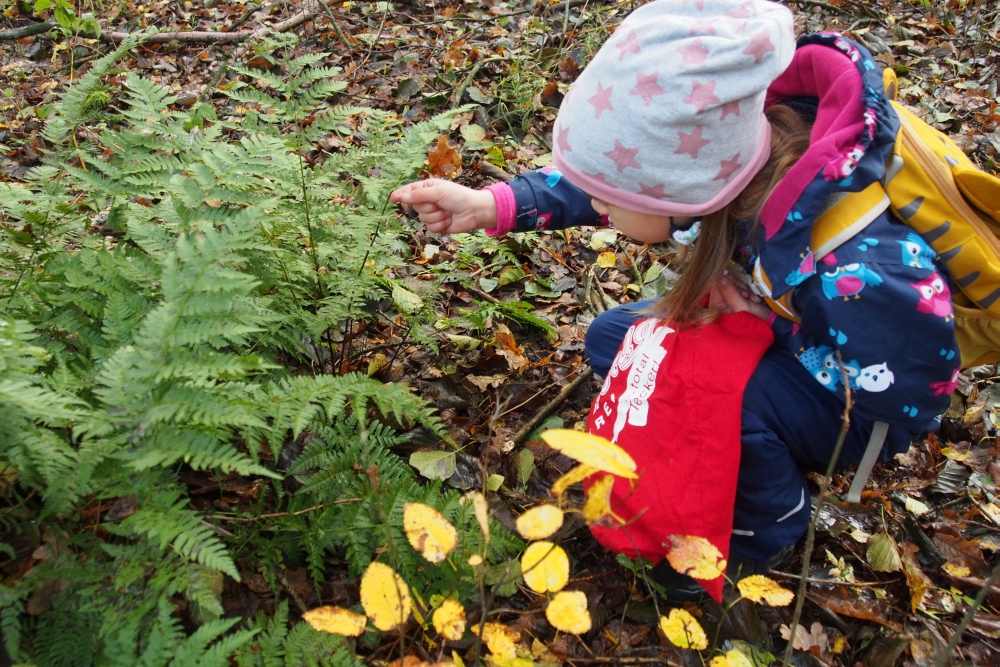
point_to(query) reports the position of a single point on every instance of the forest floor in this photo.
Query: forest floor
(513, 61)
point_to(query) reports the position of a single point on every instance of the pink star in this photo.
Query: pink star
(562, 140)
(693, 54)
(647, 87)
(628, 45)
(624, 157)
(760, 44)
(691, 142)
(654, 191)
(702, 95)
(743, 12)
(602, 179)
(700, 4)
(727, 168)
(701, 25)
(730, 109)
(602, 100)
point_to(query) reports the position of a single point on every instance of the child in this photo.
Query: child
(704, 120)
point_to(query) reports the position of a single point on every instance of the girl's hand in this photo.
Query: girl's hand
(448, 208)
(727, 297)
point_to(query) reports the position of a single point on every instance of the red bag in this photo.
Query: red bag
(673, 400)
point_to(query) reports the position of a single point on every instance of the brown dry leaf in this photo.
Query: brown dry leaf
(858, 603)
(695, 556)
(336, 620)
(815, 638)
(483, 381)
(443, 160)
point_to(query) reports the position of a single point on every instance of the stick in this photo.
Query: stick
(551, 406)
(494, 171)
(604, 660)
(214, 36)
(25, 31)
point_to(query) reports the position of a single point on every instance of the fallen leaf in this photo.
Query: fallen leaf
(384, 596)
(482, 510)
(805, 641)
(914, 506)
(428, 531)
(574, 476)
(883, 554)
(732, 658)
(483, 381)
(683, 630)
(695, 556)
(592, 450)
(434, 464)
(607, 260)
(449, 619)
(443, 160)
(540, 522)
(336, 620)
(406, 301)
(918, 582)
(500, 640)
(545, 567)
(956, 570)
(377, 363)
(567, 611)
(758, 588)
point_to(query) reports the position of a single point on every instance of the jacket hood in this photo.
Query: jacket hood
(851, 141)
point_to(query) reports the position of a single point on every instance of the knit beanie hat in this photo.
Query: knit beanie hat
(668, 118)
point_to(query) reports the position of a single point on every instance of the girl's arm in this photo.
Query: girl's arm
(534, 201)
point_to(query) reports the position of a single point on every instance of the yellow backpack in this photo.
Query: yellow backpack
(934, 188)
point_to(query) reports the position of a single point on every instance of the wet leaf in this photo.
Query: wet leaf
(449, 619)
(428, 531)
(482, 510)
(494, 482)
(952, 478)
(915, 507)
(683, 630)
(607, 260)
(759, 588)
(598, 502)
(443, 160)
(385, 596)
(377, 363)
(918, 582)
(434, 464)
(500, 640)
(524, 464)
(540, 522)
(405, 300)
(883, 554)
(336, 620)
(567, 611)
(807, 640)
(731, 658)
(592, 450)
(574, 476)
(956, 570)
(545, 567)
(695, 556)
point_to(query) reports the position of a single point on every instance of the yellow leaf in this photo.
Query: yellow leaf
(545, 567)
(683, 630)
(574, 476)
(384, 596)
(956, 570)
(758, 588)
(732, 658)
(567, 611)
(500, 640)
(955, 454)
(482, 510)
(606, 260)
(449, 619)
(475, 560)
(592, 450)
(598, 503)
(428, 531)
(695, 556)
(540, 522)
(336, 620)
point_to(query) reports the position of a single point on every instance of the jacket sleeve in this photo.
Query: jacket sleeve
(541, 200)
(882, 300)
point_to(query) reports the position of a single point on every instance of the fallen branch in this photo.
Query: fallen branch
(26, 31)
(551, 406)
(215, 36)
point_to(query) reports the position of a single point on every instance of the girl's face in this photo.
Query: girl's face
(645, 227)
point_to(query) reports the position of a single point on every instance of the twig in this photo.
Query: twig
(832, 582)
(335, 22)
(25, 31)
(214, 36)
(276, 515)
(818, 3)
(811, 532)
(299, 602)
(606, 660)
(456, 97)
(955, 638)
(551, 406)
(494, 171)
(483, 295)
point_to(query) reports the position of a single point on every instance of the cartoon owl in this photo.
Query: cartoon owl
(853, 371)
(875, 378)
(848, 280)
(817, 361)
(946, 388)
(917, 253)
(935, 297)
(807, 267)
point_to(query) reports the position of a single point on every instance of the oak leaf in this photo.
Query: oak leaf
(443, 160)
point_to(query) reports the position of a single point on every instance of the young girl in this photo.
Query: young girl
(704, 121)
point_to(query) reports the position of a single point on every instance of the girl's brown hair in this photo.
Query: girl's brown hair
(722, 231)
